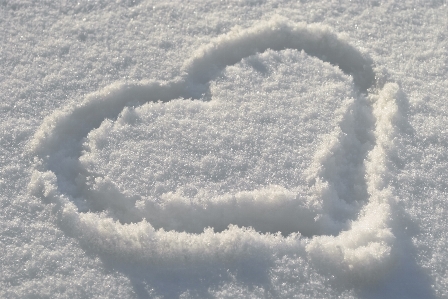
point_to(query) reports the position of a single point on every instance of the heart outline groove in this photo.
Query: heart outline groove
(359, 249)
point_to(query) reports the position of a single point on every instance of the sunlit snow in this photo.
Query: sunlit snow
(232, 149)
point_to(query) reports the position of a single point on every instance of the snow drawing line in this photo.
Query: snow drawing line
(345, 217)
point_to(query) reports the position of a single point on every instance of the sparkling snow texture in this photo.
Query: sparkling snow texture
(232, 149)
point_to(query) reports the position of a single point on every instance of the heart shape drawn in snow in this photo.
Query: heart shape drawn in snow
(349, 173)
(238, 158)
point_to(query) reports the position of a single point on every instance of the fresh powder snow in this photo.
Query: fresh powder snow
(224, 149)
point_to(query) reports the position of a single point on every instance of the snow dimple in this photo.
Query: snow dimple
(341, 203)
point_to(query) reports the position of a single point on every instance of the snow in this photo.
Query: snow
(232, 149)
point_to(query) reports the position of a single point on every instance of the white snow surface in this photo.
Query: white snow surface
(224, 149)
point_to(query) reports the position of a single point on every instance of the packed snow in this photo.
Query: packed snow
(231, 149)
